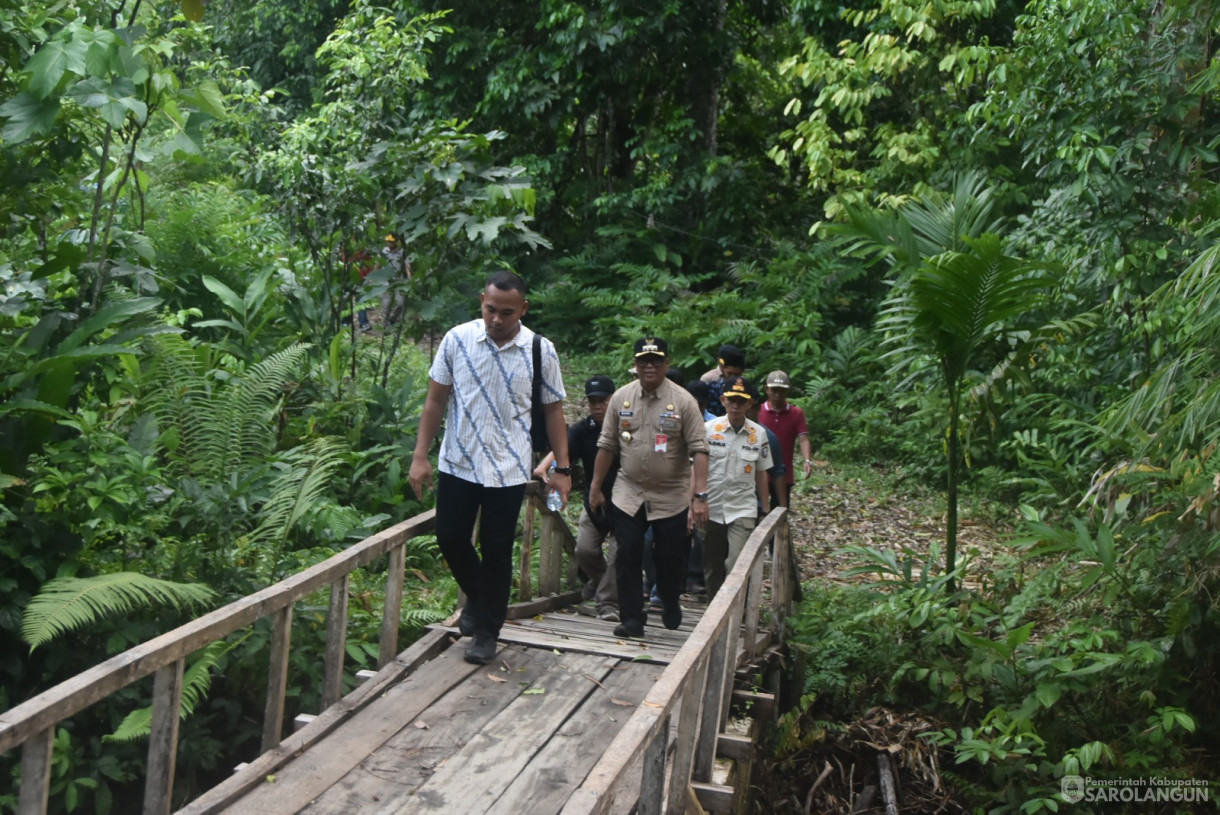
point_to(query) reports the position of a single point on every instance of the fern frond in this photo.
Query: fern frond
(305, 479)
(196, 681)
(334, 522)
(243, 431)
(420, 617)
(175, 390)
(68, 603)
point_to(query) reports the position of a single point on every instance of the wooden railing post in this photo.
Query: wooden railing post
(710, 700)
(525, 591)
(652, 784)
(733, 629)
(163, 739)
(277, 678)
(336, 642)
(689, 718)
(783, 577)
(753, 606)
(387, 647)
(550, 555)
(36, 773)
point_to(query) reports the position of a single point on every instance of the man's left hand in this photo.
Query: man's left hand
(698, 513)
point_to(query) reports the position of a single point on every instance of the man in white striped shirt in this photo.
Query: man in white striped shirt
(481, 381)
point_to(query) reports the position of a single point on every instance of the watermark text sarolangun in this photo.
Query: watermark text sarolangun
(1075, 789)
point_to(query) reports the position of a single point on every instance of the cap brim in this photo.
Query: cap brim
(600, 393)
(661, 354)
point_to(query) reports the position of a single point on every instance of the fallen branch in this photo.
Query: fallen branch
(809, 798)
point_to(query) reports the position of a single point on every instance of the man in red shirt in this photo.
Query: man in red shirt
(787, 422)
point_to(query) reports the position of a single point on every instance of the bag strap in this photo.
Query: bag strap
(536, 393)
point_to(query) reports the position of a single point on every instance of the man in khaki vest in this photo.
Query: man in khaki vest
(655, 427)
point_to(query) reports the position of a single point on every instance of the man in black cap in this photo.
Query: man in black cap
(594, 528)
(731, 364)
(656, 430)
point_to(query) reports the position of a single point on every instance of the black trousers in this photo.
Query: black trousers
(487, 577)
(671, 549)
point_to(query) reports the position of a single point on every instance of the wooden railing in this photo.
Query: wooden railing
(31, 725)
(697, 686)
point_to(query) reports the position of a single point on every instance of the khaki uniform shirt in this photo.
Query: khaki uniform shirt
(654, 436)
(734, 458)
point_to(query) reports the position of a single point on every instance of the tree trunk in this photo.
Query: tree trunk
(951, 513)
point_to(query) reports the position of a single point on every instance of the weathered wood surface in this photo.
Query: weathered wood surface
(537, 741)
(255, 772)
(515, 736)
(569, 631)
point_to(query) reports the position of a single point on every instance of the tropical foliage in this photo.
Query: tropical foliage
(980, 235)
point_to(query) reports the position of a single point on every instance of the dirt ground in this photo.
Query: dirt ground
(836, 509)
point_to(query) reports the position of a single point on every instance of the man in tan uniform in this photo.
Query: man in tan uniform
(656, 429)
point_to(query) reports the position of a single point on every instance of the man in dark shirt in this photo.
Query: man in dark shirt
(593, 530)
(731, 365)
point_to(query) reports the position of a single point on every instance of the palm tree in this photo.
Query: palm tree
(961, 308)
(956, 298)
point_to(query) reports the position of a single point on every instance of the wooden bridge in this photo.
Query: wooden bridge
(567, 718)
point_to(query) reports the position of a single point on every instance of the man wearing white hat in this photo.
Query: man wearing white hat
(787, 422)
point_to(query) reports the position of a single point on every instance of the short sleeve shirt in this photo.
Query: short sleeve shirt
(788, 424)
(487, 424)
(734, 457)
(654, 435)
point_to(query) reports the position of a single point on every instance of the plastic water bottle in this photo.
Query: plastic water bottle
(553, 502)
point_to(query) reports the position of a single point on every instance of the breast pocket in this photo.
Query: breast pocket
(628, 426)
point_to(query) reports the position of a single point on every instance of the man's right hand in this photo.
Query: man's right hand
(597, 499)
(420, 476)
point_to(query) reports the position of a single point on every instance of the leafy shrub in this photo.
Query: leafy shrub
(1083, 654)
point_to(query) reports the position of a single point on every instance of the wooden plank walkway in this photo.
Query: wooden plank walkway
(516, 736)
(583, 723)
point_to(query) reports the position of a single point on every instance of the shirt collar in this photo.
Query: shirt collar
(521, 339)
(767, 407)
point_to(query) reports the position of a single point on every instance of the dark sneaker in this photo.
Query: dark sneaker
(466, 622)
(482, 650)
(672, 618)
(628, 632)
(695, 589)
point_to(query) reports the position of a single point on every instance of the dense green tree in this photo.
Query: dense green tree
(879, 94)
(277, 42)
(640, 126)
(1099, 108)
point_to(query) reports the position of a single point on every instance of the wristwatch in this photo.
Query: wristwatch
(562, 471)
(700, 496)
